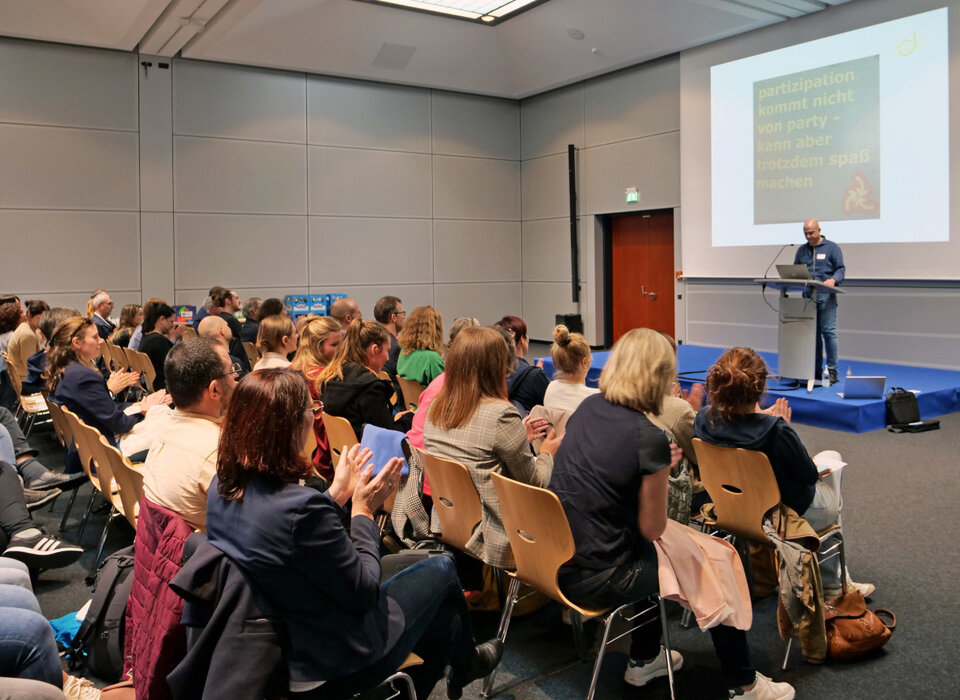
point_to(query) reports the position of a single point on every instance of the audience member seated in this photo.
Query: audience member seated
(345, 631)
(91, 309)
(26, 339)
(271, 307)
(20, 537)
(571, 357)
(11, 315)
(181, 462)
(17, 451)
(131, 316)
(421, 342)
(34, 382)
(346, 311)
(527, 384)
(251, 311)
(137, 334)
(216, 328)
(226, 303)
(102, 306)
(733, 418)
(73, 382)
(611, 477)
(160, 332)
(471, 421)
(349, 385)
(203, 311)
(276, 339)
(319, 341)
(389, 313)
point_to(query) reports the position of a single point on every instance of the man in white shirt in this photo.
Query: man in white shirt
(181, 463)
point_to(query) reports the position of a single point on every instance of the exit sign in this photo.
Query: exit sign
(631, 195)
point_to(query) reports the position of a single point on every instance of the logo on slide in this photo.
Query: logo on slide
(858, 195)
(908, 46)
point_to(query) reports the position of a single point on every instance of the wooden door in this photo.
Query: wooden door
(642, 275)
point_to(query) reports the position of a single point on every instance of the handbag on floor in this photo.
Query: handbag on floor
(903, 413)
(852, 629)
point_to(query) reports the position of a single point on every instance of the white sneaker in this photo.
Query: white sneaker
(764, 689)
(79, 689)
(639, 674)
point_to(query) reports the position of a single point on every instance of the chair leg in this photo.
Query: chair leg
(406, 681)
(786, 657)
(86, 516)
(666, 642)
(103, 541)
(603, 647)
(512, 595)
(579, 636)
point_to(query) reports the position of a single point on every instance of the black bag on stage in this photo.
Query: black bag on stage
(903, 413)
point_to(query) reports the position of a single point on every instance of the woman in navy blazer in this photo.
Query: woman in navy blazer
(73, 381)
(345, 631)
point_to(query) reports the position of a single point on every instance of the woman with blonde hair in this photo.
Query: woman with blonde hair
(276, 339)
(421, 342)
(611, 476)
(571, 357)
(319, 339)
(471, 421)
(349, 385)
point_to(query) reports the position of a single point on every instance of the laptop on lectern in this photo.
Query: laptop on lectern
(793, 272)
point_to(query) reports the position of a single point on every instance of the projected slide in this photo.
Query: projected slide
(851, 129)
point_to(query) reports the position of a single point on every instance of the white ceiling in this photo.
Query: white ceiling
(523, 56)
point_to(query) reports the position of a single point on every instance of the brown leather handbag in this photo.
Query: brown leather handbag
(852, 629)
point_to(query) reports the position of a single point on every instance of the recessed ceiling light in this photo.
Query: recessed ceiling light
(488, 12)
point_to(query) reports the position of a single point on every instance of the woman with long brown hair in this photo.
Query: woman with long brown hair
(471, 421)
(733, 418)
(131, 316)
(349, 385)
(421, 342)
(345, 631)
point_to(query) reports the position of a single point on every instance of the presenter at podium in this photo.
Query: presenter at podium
(824, 259)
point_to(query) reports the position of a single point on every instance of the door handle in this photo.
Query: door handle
(652, 295)
(643, 290)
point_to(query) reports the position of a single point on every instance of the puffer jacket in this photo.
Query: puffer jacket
(155, 641)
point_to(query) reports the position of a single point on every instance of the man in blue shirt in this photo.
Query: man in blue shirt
(824, 259)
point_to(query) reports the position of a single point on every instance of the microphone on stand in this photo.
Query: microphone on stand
(763, 286)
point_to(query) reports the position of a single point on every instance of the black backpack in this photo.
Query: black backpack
(98, 644)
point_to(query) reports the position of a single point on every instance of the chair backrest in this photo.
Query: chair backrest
(83, 438)
(12, 372)
(339, 433)
(455, 498)
(129, 480)
(386, 377)
(309, 445)
(411, 392)
(118, 356)
(188, 333)
(253, 352)
(140, 362)
(60, 425)
(742, 486)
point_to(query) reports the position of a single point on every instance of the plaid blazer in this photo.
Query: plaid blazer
(494, 439)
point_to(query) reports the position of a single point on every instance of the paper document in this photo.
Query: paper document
(828, 465)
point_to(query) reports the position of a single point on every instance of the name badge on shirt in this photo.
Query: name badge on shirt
(821, 256)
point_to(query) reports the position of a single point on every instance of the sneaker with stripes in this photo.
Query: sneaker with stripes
(42, 551)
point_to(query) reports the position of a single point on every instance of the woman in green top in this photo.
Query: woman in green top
(421, 341)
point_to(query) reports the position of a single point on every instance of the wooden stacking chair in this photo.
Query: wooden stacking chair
(743, 488)
(253, 352)
(339, 433)
(30, 408)
(140, 362)
(128, 478)
(188, 333)
(541, 541)
(83, 437)
(386, 377)
(455, 498)
(411, 392)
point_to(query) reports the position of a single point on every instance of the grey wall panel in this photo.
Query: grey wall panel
(347, 251)
(78, 300)
(637, 102)
(80, 251)
(243, 177)
(476, 251)
(488, 302)
(52, 168)
(546, 192)
(253, 251)
(920, 349)
(215, 99)
(357, 182)
(542, 301)
(546, 250)
(367, 115)
(61, 85)
(156, 140)
(412, 295)
(742, 303)
(467, 125)
(651, 164)
(476, 188)
(549, 122)
(156, 255)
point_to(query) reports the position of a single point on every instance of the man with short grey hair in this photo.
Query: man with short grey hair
(102, 306)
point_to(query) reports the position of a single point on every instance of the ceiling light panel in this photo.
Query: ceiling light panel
(488, 12)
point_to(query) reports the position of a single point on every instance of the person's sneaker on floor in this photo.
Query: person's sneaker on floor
(79, 689)
(33, 498)
(864, 589)
(50, 480)
(764, 689)
(38, 550)
(639, 673)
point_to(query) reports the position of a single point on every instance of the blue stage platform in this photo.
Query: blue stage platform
(939, 390)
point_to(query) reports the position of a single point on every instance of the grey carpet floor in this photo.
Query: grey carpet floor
(900, 493)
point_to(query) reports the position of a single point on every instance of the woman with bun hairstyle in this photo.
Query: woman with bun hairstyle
(571, 356)
(733, 419)
(421, 342)
(276, 338)
(349, 385)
